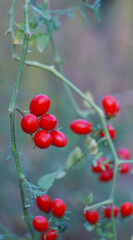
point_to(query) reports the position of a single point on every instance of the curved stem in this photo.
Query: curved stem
(97, 205)
(12, 108)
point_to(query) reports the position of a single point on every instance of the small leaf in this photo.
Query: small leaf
(91, 145)
(99, 231)
(108, 225)
(61, 174)
(89, 227)
(89, 199)
(74, 158)
(20, 26)
(108, 235)
(46, 181)
(32, 40)
(42, 41)
(19, 37)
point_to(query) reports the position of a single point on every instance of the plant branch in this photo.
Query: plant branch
(97, 205)
(12, 108)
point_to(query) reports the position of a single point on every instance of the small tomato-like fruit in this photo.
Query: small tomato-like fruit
(29, 123)
(42, 139)
(81, 126)
(124, 153)
(126, 209)
(91, 216)
(111, 131)
(44, 203)
(107, 212)
(39, 104)
(51, 235)
(98, 168)
(58, 138)
(109, 104)
(48, 122)
(40, 224)
(58, 207)
(124, 168)
(106, 175)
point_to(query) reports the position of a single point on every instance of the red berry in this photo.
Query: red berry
(107, 212)
(106, 176)
(91, 216)
(29, 123)
(124, 153)
(81, 126)
(98, 168)
(109, 104)
(40, 223)
(58, 138)
(58, 207)
(124, 168)
(44, 203)
(42, 139)
(111, 131)
(51, 235)
(48, 122)
(42, 236)
(39, 104)
(117, 107)
(126, 209)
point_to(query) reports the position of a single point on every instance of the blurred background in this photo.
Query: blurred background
(98, 57)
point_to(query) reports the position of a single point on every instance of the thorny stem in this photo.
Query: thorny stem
(12, 107)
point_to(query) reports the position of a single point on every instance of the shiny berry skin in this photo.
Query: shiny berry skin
(106, 176)
(58, 207)
(111, 131)
(29, 123)
(126, 209)
(107, 212)
(98, 168)
(51, 235)
(40, 224)
(58, 138)
(48, 122)
(81, 126)
(91, 216)
(124, 153)
(124, 168)
(39, 105)
(109, 104)
(117, 107)
(44, 203)
(42, 139)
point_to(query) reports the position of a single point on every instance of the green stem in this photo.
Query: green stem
(11, 15)
(97, 205)
(12, 108)
(20, 111)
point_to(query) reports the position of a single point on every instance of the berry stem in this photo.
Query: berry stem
(97, 205)
(12, 107)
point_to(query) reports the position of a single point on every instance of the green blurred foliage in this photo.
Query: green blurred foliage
(97, 57)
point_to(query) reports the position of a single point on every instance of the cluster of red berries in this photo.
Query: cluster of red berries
(92, 216)
(105, 170)
(40, 223)
(30, 124)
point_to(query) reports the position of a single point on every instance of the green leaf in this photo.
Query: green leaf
(108, 225)
(74, 158)
(89, 199)
(20, 25)
(19, 37)
(108, 235)
(61, 174)
(32, 40)
(42, 41)
(99, 231)
(91, 145)
(46, 181)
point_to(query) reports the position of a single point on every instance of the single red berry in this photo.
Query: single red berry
(51, 235)
(42, 139)
(106, 176)
(109, 104)
(39, 105)
(48, 122)
(107, 212)
(91, 216)
(29, 123)
(124, 168)
(126, 209)
(58, 207)
(58, 138)
(81, 126)
(98, 168)
(44, 203)
(124, 153)
(111, 131)
(40, 224)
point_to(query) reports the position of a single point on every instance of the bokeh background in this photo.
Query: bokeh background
(97, 57)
